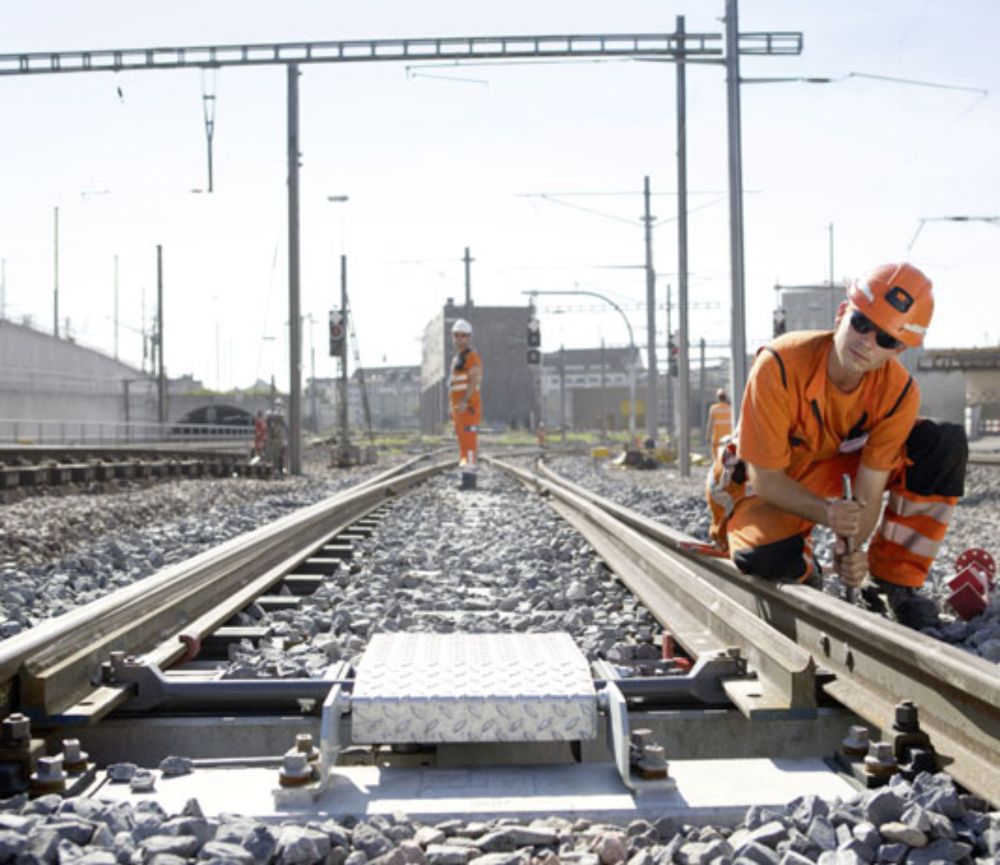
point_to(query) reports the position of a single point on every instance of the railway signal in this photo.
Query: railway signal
(534, 342)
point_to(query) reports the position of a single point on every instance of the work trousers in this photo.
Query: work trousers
(467, 430)
(775, 544)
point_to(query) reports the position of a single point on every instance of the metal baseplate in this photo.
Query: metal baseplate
(445, 688)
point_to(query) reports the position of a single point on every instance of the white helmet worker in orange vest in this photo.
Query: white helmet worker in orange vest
(466, 403)
(719, 424)
(822, 404)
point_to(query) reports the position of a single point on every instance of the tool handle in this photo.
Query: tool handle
(848, 491)
(848, 495)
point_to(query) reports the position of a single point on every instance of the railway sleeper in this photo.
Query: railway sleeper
(412, 691)
(216, 645)
(472, 712)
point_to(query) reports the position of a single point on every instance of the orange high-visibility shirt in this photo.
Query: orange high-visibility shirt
(458, 383)
(793, 417)
(720, 422)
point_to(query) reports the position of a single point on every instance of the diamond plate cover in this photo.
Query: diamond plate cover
(472, 688)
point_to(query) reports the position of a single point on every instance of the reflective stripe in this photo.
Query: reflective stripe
(907, 538)
(905, 507)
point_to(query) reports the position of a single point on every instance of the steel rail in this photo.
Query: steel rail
(58, 663)
(878, 663)
(984, 458)
(699, 615)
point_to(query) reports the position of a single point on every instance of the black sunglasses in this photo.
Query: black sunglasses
(862, 324)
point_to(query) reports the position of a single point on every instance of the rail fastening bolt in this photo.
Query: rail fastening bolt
(880, 762)
(296, 771)
(16, 728)
(304, 745)
(74, 758)
(856, 743)
(50, 769)
(906, 717)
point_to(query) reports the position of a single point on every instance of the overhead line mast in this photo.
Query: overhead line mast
(692, 47)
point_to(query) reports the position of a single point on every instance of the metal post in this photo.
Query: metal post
(670, 378)
(830, 230)
(701, 391)
(312, 367)
(294, 325)
(738, 374)
(55, 287)
(345, 429)
(467, 259)
(631, 388)
(651, 384)
(116, 306)
(562, 392)
(3, 288)
(604, 394)
(543, 412)
(162, 375)
(683, 367)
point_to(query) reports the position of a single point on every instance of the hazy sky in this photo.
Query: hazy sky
(537, 168)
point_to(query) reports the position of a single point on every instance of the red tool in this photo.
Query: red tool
(702, 549)
(973, 580)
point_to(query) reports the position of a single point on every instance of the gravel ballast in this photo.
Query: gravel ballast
(486, 561)
(922, 823)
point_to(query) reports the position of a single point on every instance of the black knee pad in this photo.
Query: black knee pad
(781, 561)
(939, 451)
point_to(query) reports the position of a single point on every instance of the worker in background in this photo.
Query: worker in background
(259, 434)
(466, 404)
(819, 404)
(277, 437)
(719, 423)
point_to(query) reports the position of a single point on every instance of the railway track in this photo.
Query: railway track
(780, 655)
(41, 467)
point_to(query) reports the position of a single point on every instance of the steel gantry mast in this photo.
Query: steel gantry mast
(692, 47)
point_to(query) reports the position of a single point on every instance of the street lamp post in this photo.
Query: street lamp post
(631, 348)
(55, 270)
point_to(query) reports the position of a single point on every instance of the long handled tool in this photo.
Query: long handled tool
(852, 593)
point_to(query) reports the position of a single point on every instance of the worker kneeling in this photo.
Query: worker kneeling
(822, 404)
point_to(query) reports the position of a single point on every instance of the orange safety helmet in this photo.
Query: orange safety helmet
(898, 298)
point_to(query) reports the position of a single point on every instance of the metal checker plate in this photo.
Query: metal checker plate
(472, 688)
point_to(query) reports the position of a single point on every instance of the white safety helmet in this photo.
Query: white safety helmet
(461, 326)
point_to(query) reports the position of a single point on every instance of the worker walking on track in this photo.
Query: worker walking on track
(466, 404)
(720, 421)
(822, 404)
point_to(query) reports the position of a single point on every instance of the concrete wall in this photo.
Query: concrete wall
(43, 377)
(54, 380)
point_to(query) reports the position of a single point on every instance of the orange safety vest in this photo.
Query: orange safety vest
(458, 384)
(720, 423)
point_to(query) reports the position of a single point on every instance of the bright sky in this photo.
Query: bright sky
(434, 160)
